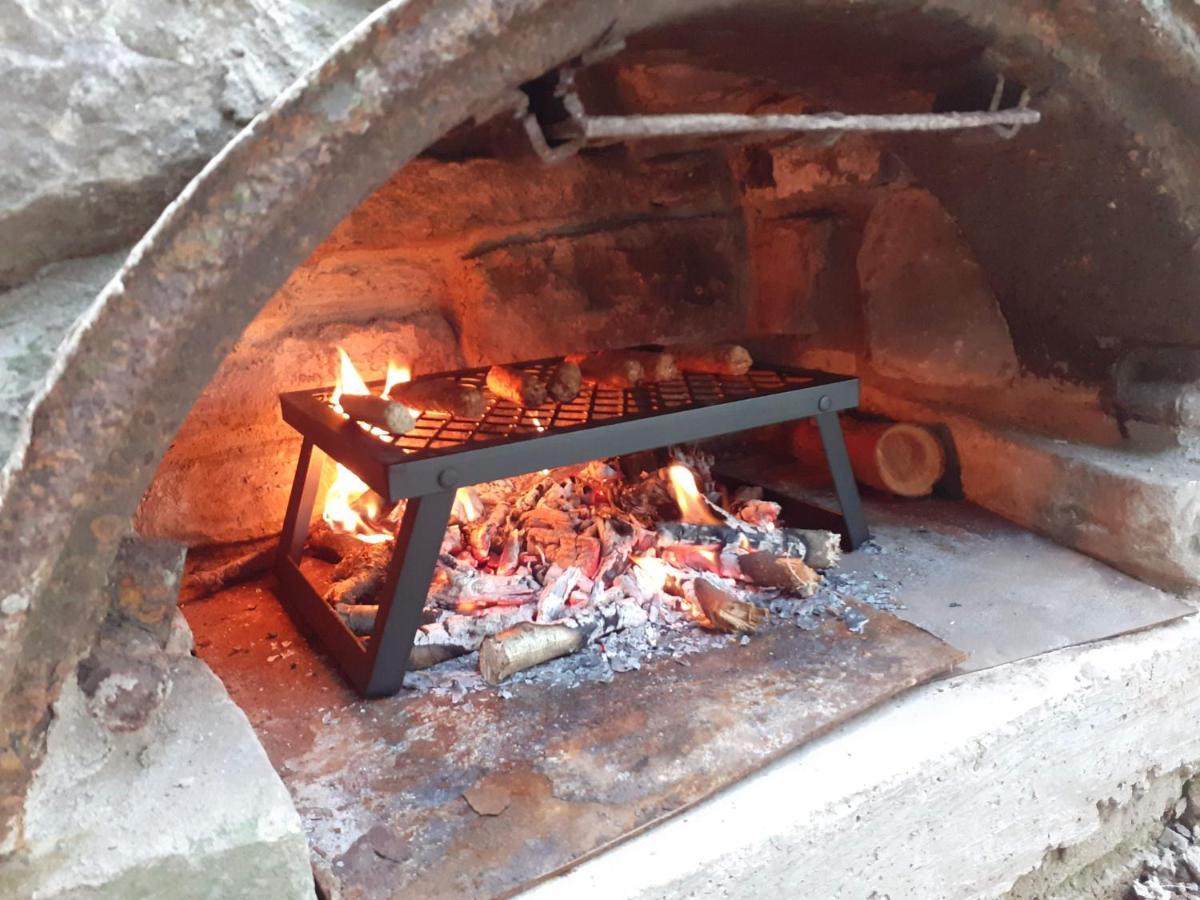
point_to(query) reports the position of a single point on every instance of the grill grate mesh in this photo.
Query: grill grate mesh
(504, 421)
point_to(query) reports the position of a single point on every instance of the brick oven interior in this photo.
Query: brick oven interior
(967, 279)
(858, 254)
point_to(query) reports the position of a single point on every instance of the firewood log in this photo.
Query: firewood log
(516, 386)
(378, 411)
(713, 359)
(441, 395)
(725, 610)
(359, 617)
(330, 545)
(565, 383)
(895, 457)
(363, 584)
(656, 366)
(769, 570)
(251, 564)
(819, 549)
(609, 369)
(528, 644)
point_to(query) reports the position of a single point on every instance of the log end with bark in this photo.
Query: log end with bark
(895, 457)
(565, 383)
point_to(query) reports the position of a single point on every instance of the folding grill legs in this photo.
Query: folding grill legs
(830, 429)
(409, 574)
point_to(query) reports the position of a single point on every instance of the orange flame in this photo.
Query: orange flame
(467, 507)
(348, 380)
(350, 505)
(687, 495)
(396, 374)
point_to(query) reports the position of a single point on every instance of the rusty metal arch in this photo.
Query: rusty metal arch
(151, 340)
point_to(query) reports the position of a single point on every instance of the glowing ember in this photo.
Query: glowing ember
(687, 496)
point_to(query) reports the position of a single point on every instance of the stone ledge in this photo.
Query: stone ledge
(190, 801)
(955, 790)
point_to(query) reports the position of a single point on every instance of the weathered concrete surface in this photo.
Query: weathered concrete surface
(34, 320)
(953, 791)
(187, 806)
(930, 315)
(91, 445)
(111, 108)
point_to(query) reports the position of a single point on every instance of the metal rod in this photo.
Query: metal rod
(600, 128)
(411, 569)
(830, 428)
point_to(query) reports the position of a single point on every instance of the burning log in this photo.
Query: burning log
(725, 610)
(441, 395)
(769, 570)
(899, 458)
(359, 618)
(610, 369)
(565, 383)
(712, 359)
(481, 536)
(528, 644)
(516, 386)
(819, 549)
(378, 411)
(359, 574)
(553, 598)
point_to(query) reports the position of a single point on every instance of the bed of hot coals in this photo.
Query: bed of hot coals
(583, 558)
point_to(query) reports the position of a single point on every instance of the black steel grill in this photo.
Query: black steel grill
(504, 422)
(442, 453)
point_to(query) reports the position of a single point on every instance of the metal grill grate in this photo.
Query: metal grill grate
(442, 453)
(505, 422)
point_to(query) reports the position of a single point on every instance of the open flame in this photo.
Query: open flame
(396, 374)
(691, 502)
(350, 505)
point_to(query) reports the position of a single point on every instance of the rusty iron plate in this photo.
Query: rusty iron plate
(380, 784)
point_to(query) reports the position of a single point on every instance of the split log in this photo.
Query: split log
(896, 457)
(565, 383)
(528, 644)
(378, 411)
(819, 549)
(725, 610)
(441, 395)
(712, 359)
(516, 386)
(787, 573)
(609, 369)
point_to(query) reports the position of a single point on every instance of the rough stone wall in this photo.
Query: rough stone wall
(110, 108)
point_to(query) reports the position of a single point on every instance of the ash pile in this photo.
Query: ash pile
(583, 562)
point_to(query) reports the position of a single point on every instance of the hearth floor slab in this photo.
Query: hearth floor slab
(977, 581)
(568, 771)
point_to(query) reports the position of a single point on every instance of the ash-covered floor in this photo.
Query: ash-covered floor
(459, 789)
